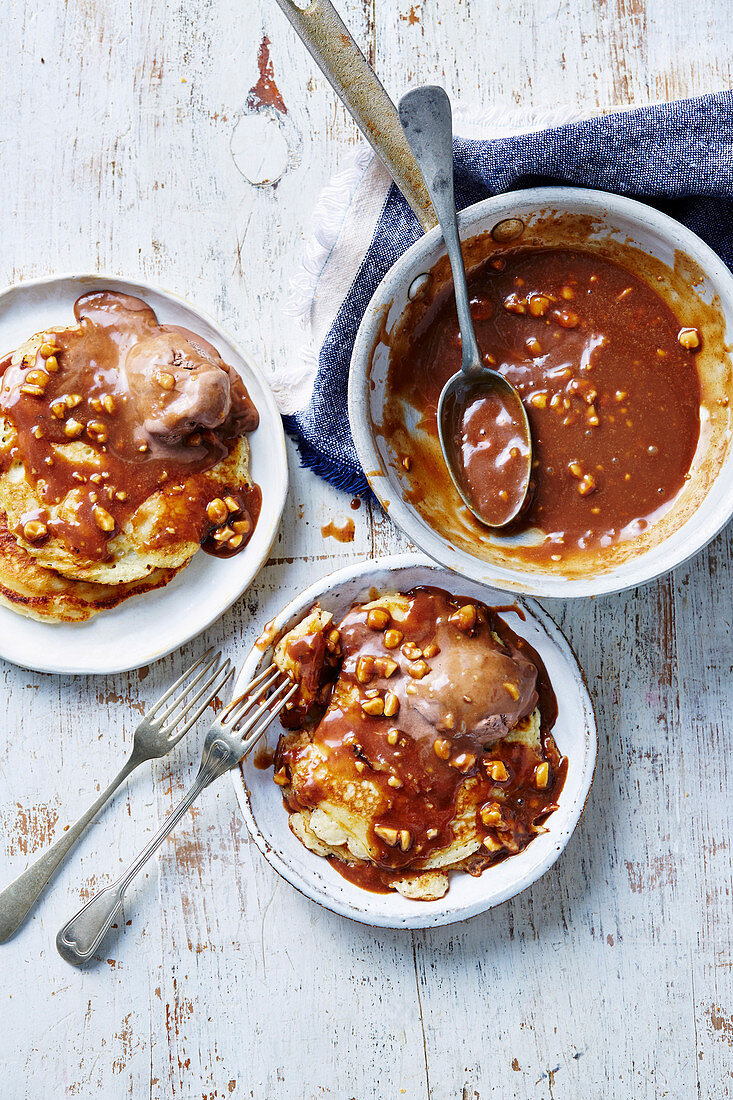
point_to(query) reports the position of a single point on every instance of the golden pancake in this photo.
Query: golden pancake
(123, 446)
(38, 593)
(422, 743)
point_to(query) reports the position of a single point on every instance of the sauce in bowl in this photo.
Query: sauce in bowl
(606, 373)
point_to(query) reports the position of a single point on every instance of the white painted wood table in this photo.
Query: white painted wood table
(613, 975)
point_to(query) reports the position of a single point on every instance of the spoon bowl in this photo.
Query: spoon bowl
(482, 424)
(485, 438)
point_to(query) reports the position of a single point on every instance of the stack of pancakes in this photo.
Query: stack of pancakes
(48, 573)
(409, 762)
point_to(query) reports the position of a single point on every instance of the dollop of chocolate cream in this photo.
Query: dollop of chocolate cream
(460, 691)
(153, 404)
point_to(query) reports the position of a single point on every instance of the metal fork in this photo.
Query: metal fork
(228, 741)
(155, 736)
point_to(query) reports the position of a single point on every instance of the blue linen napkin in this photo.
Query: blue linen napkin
(677, 157)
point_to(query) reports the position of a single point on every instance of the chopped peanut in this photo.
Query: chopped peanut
(391, 704)
(464, 618)
(542, 776)
(103, 519)
(386, 833)
(73, 428)
(392, 638)
(538, 304)
(374, 707)
(497, 770)
(689, 338)
(364, 669)
(35, 529)
(464, 761)
(377, 618)
(216, 510)
(418, 670)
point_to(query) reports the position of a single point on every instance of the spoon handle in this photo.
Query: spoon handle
(425, 114)
(351, 76)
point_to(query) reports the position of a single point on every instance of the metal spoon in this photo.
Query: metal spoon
(426, 116)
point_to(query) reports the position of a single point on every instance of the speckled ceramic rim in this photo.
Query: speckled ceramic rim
(312, 875)
(709, 518)
(69, 648)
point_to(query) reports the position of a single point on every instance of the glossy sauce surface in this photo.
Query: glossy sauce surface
(491, 454)
(153, 405)
(449, 727)
(607, 378)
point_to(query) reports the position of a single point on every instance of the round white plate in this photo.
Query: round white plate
(575, 732)
(146, 627)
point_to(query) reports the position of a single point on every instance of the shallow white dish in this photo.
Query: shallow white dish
(575, 733)
(703, 508)
(146, 627)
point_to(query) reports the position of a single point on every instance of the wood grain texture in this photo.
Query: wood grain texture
(613, 975)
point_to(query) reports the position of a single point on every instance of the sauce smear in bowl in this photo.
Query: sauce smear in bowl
(606, 374)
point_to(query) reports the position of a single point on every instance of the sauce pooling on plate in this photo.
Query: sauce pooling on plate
(606, 374)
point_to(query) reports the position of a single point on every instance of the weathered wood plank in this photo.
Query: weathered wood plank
(612, 975)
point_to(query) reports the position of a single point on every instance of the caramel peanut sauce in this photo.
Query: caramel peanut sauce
(607, 375)
(421, 706)
(153, 405)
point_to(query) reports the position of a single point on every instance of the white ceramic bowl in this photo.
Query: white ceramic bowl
(676, 259)
(146, 627)
(574, 731)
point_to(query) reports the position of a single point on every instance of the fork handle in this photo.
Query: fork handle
(81, 936)
(17, 899)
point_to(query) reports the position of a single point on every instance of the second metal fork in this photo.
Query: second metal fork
(230, 738)
(155, 736)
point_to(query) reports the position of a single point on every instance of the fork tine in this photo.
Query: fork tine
(181, 697)
(246, 701)
(181, 679)
(187, 704)
(212, 694)
(267, 718)
(265, 706)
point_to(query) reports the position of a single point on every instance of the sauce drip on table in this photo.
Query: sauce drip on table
(605, 372)
(459, 691)
(149, 406)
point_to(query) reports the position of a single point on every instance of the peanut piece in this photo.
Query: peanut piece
(542, 776)
(102, 518)
(35, 529)
(386, 833)
(391, 705)
(216, 510)
(364, 669)
(497, 771)
(464, 618)
(374, 707)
